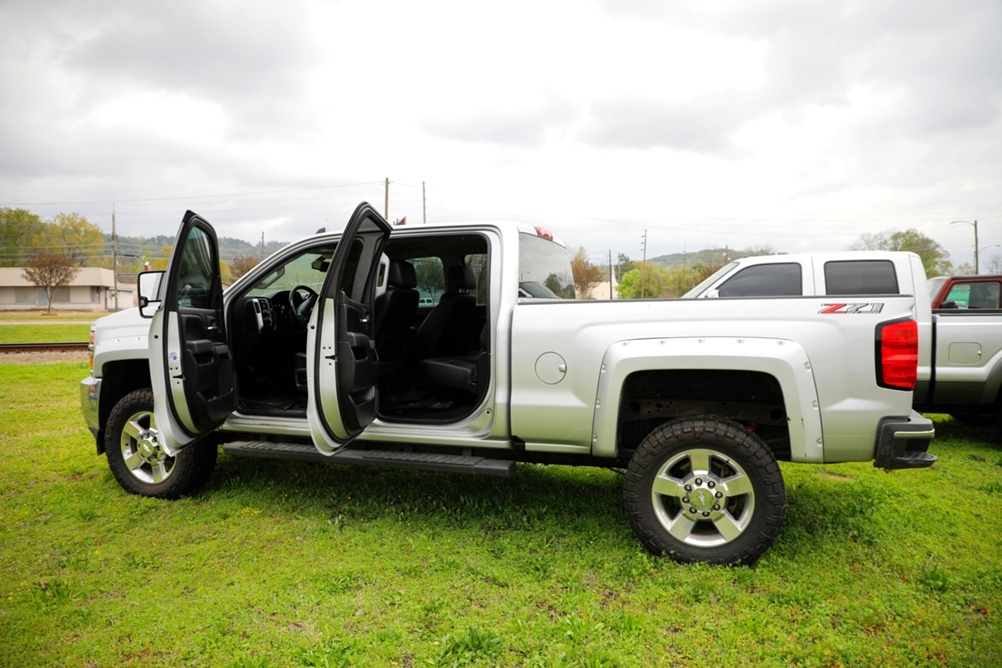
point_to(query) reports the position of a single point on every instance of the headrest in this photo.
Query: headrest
(401, 274)
(460, 278)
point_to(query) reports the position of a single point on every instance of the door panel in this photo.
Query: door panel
(342, 370)
(191, 365)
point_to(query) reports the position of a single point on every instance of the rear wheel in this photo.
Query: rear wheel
(137, 459)
(705, 489)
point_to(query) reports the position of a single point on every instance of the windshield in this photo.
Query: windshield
(308, 268)
(934, 285)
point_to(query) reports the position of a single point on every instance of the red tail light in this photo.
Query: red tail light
(897, 354)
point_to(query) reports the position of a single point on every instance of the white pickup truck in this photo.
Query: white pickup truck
(324, 352)
(959, 318)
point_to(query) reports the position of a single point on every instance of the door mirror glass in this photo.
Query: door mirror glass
(149, 292)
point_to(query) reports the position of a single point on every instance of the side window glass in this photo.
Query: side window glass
(959, 296)
(196, 271)
(544, 269)
(984, 294)
(430, 280)
(765, 280)
(860, 277)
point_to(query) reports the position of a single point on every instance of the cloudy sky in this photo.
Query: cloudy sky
(793, 124)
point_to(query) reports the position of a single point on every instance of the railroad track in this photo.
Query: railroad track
(42, 347)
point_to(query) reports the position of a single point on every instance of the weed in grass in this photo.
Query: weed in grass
(252, 662)
(577, 629)
(626, 624)
(994, 487)
(331, 654)
(138, 562)
(52, 592)
(339, 584)
(87, 514)
(475, 647)
(934, 579)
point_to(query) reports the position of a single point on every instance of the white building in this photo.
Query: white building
(92, 289)
(604, 290)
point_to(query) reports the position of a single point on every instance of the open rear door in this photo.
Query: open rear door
(191, 367)
(342, 372)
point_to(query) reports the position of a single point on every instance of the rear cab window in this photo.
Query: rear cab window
(860, 277)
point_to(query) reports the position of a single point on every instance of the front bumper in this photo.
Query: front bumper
(90, 394)
(902, 443)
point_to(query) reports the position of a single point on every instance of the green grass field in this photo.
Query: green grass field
(45, 333)
(293, 564)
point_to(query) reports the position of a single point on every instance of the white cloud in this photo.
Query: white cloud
(785, 123)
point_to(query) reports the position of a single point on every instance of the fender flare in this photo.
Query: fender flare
(785, 360)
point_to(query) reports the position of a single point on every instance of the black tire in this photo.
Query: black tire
(705, 490)
(137, 461)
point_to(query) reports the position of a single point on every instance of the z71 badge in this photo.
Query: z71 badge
(872, 307)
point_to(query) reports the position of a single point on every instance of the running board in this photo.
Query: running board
(393, 459)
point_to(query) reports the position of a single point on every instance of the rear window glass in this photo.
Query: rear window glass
(764, 280)
(861, 277)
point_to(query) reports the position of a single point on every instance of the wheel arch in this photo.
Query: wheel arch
(119, 378)
(991, 393)
(765, 382)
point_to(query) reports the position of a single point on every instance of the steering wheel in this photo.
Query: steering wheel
(302, 298)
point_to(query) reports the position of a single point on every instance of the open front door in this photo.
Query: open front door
(342, 372)
(191, 367)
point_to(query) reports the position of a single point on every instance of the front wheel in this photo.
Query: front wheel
(707, 490)
(137, 460)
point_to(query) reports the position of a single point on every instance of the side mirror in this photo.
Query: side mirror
(711, 294)
(149, 292)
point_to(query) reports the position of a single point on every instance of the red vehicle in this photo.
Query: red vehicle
(965, 292)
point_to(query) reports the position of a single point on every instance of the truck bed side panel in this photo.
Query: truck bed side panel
(559, 346)
(968, 357)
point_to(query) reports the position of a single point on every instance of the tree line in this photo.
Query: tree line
(52, 251)
(668, 277)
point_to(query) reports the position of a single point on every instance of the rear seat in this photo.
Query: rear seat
(468, 373)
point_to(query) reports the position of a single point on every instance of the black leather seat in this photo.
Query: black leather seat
(468, 373)
(451, 328)
(393, 314)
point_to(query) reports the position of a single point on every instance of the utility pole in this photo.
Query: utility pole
(424, 206)
(262, 245)
(386, 200)
(114, 255)
(610, 273)
(977, 269)
(643, 269)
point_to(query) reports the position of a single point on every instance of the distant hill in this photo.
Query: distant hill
(135, 249)
(708, 257)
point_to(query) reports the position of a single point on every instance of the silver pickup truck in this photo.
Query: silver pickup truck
(959, 318)
(325, 352)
